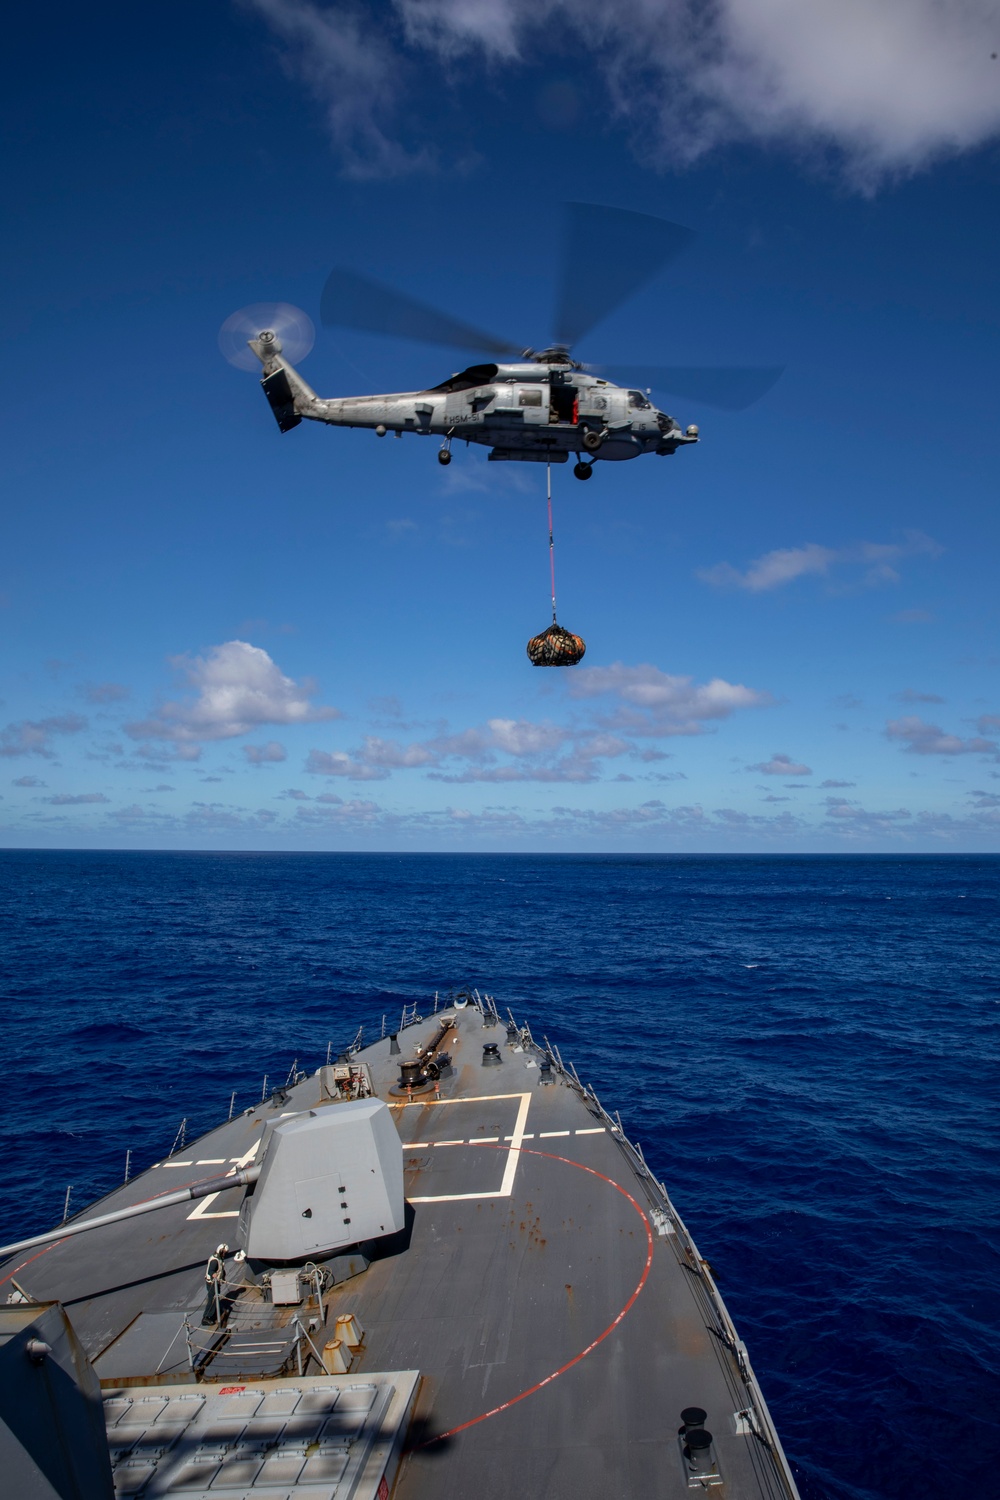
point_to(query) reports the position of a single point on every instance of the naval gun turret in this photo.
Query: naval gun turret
(327, 1178)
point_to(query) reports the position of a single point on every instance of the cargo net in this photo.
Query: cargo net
(556, 647)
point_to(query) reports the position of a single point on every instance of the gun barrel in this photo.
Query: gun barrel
(167, 1200)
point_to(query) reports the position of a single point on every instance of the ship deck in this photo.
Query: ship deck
(544, 1288)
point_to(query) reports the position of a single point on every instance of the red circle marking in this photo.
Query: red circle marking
(531, 1390)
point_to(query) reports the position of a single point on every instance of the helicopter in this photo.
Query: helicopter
(526, 406)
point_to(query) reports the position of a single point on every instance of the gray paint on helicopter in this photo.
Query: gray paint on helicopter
(541, 406)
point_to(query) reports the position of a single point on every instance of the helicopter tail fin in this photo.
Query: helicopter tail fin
(288, 395)
(281, 398)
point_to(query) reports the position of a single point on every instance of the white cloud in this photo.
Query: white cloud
(339, 763)
(104, 692)
(920, 738)
(375, 758)
(338, 811)
(349, 64)
(34, 736)
(909, 696)
(519, 737)
(643, 703)
(891, 85)
(771, 570)
(66, 799)
(854, 820)
(389, 755)
(154, 756)
(571, 768)
(237, 689)
(781, 765)
(656, 703)
(262, 755)
(785, 564)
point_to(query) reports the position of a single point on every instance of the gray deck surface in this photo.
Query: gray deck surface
(509, 1299)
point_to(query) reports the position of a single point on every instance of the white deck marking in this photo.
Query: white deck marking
(510, 1170)
(415, 1145)
(593, 1130)
(545, 1135)
(202, 1210)
(471, 1099)
(507, 1186)
(244, 1161)
(485, 1140)
(178, 1164)
(210, 1161)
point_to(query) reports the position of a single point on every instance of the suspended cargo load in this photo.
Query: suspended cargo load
(556, 647)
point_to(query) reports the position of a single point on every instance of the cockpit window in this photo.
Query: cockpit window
(637, 399)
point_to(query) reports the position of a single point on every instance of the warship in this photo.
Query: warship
(434, 1266)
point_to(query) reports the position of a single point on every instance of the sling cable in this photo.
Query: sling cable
(555, 647)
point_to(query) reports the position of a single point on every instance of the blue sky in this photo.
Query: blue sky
(216, 636)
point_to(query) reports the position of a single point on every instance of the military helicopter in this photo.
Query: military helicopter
(526, 406)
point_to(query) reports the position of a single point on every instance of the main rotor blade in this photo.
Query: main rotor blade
(353, 301)
(729, 388)
(608, 253)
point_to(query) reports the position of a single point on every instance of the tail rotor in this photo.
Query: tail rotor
(292, 333)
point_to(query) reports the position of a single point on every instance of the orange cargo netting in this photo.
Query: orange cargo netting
(556, 647)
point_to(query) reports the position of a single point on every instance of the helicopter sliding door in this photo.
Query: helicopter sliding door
(563, 402)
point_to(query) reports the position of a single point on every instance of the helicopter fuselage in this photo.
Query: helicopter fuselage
(538, 412)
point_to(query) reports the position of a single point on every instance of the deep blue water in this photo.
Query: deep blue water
(806, 1049)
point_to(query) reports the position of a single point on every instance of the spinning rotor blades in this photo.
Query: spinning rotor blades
(352, 301)
(293, 327)
(608, 253)
(730, 388)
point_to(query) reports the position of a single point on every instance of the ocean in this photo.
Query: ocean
(806, 1049)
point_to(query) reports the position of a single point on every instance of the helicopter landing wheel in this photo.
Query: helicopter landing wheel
(582, 470)
(444, 457)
